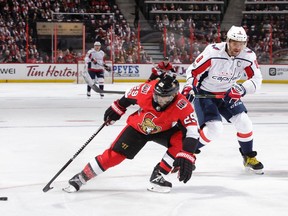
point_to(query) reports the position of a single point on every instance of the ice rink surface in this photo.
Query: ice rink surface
(43, 125)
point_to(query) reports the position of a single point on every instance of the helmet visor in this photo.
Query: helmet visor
(163, 101)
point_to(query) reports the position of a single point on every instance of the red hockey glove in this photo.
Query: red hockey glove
(185, 163)
(188, 92)
(234, 93)
(114, 113)
(156, 71)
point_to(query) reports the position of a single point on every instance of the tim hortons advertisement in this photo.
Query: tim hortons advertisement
(61, 72)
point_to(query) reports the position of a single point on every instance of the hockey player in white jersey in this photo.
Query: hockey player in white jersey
(216, 72)
(94, 60)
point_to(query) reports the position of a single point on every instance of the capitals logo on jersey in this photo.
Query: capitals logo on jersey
(147, 126)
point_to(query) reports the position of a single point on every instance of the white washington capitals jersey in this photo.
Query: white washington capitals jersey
(98, 56)
(215, 71)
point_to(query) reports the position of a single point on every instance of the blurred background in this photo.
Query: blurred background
(130, 31)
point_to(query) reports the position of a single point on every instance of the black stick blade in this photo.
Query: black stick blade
(47, 188)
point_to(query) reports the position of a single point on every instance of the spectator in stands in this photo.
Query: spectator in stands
(121, 60)
(176, 59)
(129, 59)
(158, 23)
(69, 57)
(6, 57)
(47, 59)
(60, 57)
(149, 60)
(31, 59)
(185, 58)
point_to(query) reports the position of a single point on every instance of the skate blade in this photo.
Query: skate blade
(257, 172)
(69, 189)
(158, 189)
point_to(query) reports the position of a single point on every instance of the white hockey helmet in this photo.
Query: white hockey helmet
(237, 33)
(97, 43)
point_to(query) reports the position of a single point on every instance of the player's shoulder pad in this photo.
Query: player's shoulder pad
(213, 49)
(216, 46)
(91, 50)
(249, 54)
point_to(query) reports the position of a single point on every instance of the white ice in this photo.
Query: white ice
(43, 125)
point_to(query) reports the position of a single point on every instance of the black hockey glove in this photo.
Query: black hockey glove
(185, 164)
(114, 113)
(94, 61)
(107, 68)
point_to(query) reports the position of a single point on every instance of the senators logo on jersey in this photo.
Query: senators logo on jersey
(147, 126)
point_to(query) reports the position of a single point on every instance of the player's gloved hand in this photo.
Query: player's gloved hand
(156, 71)
(234, 93)
(189, 92)
(185, 164)
(171, 73)
(94, 61)
(114, 113)
(107, 68)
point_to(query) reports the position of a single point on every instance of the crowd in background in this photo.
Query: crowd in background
(260, 26)
(188, 34)
(15, 14)
(185, 35)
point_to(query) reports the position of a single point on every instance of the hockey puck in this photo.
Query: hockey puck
(3, 198)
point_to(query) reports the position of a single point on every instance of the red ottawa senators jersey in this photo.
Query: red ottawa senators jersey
(148, 120)
(167, 67)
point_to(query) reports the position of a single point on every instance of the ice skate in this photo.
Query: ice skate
(251, 163)
(75, 183)
(88, 94)
(158, 183)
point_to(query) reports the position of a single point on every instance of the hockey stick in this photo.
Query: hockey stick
(106, 67)
(48, 186)
(98, 90)
(90, 82)
(209, 96)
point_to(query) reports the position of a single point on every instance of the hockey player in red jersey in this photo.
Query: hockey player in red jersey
(164, 116)
(216, 72)
(162, 69)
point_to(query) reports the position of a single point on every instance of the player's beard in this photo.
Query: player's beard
(234, 52)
